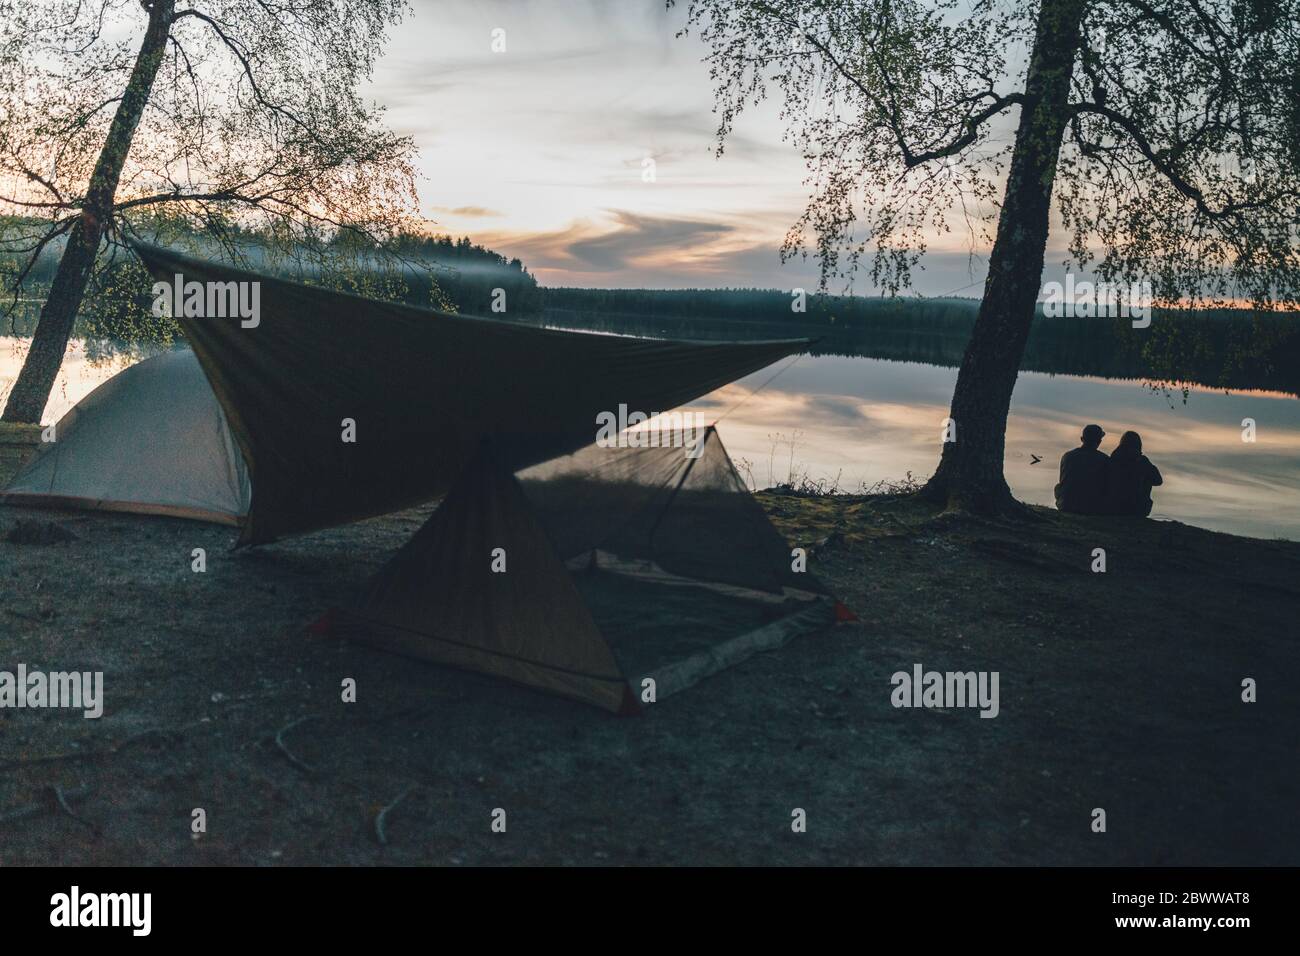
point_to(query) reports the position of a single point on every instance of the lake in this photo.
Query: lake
(865, 420)
(858, 420)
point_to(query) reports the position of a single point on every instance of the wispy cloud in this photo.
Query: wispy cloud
(550, 136)
(470, 212)
(639, 238)
(625, 244)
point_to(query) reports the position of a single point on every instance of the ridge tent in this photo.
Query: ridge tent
(590, 574)
(420, 389)
(153, 439)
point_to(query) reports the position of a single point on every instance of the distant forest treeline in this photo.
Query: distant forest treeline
(469, 274)
(751, 305)
(1229, 348)
(426, 270)
(1224, 349)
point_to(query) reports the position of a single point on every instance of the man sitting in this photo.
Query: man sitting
(1082, 488)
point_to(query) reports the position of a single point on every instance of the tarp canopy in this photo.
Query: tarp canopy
(603, 576)
(151, 440)
(421, 388)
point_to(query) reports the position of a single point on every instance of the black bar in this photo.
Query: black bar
(330, 906)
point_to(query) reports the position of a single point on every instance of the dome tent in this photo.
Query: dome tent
(153, 439)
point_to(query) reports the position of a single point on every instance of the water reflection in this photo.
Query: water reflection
(862, 420)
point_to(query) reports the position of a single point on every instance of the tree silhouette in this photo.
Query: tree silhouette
(1166, 131)
(222, 112)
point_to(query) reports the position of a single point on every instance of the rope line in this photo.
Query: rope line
(765, 384)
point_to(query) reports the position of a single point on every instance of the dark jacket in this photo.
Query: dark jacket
(1082, 488)
(1128, 485)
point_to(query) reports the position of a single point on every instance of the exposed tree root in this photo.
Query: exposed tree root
(998, 504)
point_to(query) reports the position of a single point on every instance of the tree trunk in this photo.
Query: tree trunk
(32, 389)
(969, 476)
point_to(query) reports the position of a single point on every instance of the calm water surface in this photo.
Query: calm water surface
(856, 421)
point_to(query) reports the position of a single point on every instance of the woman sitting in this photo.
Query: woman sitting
(1130, 476)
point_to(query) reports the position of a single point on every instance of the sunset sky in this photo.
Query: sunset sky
(538, 151)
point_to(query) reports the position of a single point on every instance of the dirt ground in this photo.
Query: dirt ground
(1119, 691)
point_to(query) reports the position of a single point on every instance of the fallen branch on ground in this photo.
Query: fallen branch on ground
(55, 798)
(90, 754)
(61, 800)
(380, 833)
(289, 755)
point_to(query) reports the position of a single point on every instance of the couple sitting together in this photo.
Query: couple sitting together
(1094, 483)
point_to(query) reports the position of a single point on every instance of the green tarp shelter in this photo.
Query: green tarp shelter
(609, 575)
(421, 390)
